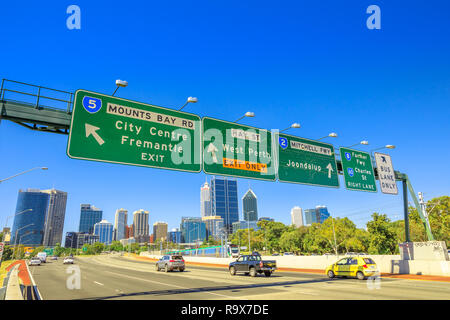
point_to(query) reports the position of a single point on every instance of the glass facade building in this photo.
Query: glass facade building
(214, 226)
(224, 201)
(104, 231)
(174, 236)
(322, 213)
(250, 206)
(54, 222)
(245, 225)
(193, 229)
(89, 216)
(28, 227)
(310, 216)
(76, 240)
(120, 224)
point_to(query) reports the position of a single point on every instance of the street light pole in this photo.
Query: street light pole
(248, 114)
(294, 126)
(331, 135)
(20, 173)
(15, 238)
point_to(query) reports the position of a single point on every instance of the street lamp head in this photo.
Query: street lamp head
(333, 135)
(249, 114)
(390, 146)
(192, 100)
(121, 83)
(44, 168)
(295, 125)
(364, 142)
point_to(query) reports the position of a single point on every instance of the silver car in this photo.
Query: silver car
(170, 263)
(35, 261)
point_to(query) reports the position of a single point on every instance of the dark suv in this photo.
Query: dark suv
(170, 263)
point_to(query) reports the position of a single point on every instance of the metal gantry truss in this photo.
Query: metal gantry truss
(27, 105)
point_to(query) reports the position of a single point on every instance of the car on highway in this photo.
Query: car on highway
(68, 260)
(35, 261)
(170, 263)
(54, 258)
(252, 264)
(288, 254)
(359, 267)
(42, 256)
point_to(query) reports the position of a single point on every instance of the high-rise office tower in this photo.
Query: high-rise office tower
(54, 221)
(205, 200)
(297, 216)
(250, 206)
(104, 231)
(160, 231)
(310, 217)
(29, 221)
(174, 235)
(224, 201)
(141, 226)
(193, 229)
(214, 226)
(322, 213)
(120, 224)
(89, 216)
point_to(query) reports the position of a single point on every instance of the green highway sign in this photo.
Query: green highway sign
(306, 161)
(232, 149)
(357, 169)
(109, 129)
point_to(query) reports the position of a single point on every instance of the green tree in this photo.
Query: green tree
(291, 241)
(382, 237)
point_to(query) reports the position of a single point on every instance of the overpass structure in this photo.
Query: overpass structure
(50, 110)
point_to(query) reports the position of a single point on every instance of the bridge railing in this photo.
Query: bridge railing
(36, 96)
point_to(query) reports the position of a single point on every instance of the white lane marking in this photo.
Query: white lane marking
(172, 285)
(100, 284)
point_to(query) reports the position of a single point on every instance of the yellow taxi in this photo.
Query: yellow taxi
(359, 267)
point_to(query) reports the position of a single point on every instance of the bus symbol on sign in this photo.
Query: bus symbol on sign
(92, 105)
(348, 156)
(283, 142)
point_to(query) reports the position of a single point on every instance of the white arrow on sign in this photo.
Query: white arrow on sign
(92, 130)
(330, 169)
(212, 148)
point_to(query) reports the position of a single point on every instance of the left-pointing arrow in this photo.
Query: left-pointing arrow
(92, 130)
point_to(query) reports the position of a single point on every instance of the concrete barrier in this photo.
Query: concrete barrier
(385, 263)
(13, 289)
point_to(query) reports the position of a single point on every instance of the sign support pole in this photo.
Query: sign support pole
(405, 208)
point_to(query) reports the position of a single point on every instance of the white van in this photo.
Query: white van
(42, 256)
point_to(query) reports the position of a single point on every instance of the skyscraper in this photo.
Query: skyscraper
(104, 231)
(120, 224)
(297, 216)
(322, 213)
(224, 201)
(193, 229)
(160, 231)
(89, 216)
(28, 226)
(174, 235)
(205, 200)
(54, 221)
(250, 206)
(141, 226)
(310, 216)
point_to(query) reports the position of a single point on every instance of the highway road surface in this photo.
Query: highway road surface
(108, 277)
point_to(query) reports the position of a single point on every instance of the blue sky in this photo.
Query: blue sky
(315, 63)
